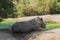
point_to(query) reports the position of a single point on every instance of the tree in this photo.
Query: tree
(6, 8)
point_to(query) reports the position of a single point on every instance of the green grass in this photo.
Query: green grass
(52, 25)
(8, 24)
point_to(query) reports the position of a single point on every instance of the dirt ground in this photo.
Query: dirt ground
(7, 35)
(45, 35)
(37, 35)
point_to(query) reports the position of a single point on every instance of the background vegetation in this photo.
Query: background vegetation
(19, 8)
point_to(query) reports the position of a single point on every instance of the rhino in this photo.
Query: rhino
(28, 26)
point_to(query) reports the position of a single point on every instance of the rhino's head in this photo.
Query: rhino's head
(40, 22)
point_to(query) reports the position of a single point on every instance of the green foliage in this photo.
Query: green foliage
(58, 7)
(6, 8)
(19, 8)
(1, 19)
(53, 8)
(39, 7)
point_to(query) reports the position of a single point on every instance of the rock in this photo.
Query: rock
(27, 26)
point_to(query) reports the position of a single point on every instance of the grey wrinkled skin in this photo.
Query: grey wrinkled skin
(28, 26)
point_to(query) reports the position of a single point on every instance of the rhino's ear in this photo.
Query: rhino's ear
(38, 17)
(41, 19)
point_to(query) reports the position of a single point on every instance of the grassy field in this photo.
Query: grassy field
(7, 24)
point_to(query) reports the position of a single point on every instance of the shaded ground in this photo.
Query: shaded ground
(5, 35)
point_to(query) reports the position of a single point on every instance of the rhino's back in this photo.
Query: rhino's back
(22, 27)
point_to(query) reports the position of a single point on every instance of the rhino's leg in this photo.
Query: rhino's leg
(13, 30)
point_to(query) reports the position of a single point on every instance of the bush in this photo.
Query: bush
(1, 19)
(19, 8)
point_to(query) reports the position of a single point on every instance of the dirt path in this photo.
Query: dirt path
(54, 18)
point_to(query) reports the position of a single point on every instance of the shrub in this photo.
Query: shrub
(1, 19)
